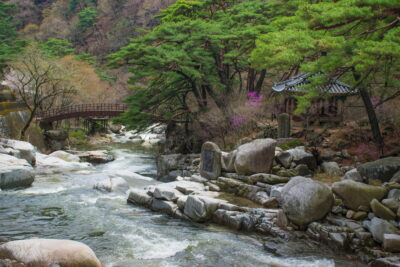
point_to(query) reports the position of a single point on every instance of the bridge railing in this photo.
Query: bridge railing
(82, 108)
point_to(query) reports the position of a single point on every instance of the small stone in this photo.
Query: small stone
(391, 242)
(394, 193)
(391, 203)
(350, 214)
(271, 203)
(382, 211)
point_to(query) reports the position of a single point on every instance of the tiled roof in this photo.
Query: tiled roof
(294, 85)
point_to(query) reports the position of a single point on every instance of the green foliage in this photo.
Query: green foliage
(57, 48)
(87, 18)
(10, 45)
(358, 41)
(88, 58)
(78, 137)
(72, 4)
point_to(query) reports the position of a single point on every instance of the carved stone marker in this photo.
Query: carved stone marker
(283, 125)
(210, 166)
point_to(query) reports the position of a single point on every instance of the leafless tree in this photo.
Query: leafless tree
(40, 83)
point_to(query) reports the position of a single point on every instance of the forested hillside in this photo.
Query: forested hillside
(97, 27)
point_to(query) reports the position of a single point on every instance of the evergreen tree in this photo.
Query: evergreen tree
(10, 45)
(356, 41)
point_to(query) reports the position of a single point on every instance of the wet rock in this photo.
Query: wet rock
(49, 164)
(255, 157)
(139, 197)
(167, 207)
(391, 242)
(386, 262)
(381, 211)
(355, 194)
(115, 184)
(65, 156)
(354, 175)
(331, 168)
(15, 172)
(10, 263)
(181, 202)
(96, 156)
(20, 149)
(166, 192)
(305, 200)
(267, 178)
(378, 227)
(45, 252)
(234, 219)
(381, 169)
(200, 208)
(301, 156)
(210, 166)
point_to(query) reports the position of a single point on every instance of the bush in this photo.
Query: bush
(78, 137)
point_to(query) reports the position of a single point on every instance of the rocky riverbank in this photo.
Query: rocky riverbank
(359, 214)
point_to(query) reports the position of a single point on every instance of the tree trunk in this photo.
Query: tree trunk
(251, 76)
(27, 124)
(373, 119)
(260, 81)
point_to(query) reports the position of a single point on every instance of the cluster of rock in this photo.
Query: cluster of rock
(20, 162)
(171, 166)
(351, 214)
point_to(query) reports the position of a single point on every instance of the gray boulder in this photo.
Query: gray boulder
(331, 168)
(199, 208)
(381, 169)
(164, 206)
(301, 156)
(166, 192)
(49, 252)
(355, 194)
(210, 165)
(304, 200)
(15, 172)
(378, 227)
(139, 197)
(20, 149)
(354, 175)
(255, 157)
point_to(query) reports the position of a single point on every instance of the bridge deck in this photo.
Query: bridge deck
(82, 111)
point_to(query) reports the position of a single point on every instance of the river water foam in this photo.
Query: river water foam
(64, 205)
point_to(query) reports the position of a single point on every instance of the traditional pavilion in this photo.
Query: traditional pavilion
(329, 107)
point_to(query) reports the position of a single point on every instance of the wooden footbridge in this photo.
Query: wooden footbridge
(92, 111)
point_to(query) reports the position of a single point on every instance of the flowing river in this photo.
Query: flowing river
(65, 206)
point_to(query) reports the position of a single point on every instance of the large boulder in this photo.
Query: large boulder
(20, 149)
(304, 200)
(255, 157)
(210, 165)
(139, 197)
(15, 172)
(381, 169)
(49, 252)
(355, 194)
(301, 156)
(96, 156)
(49, 164)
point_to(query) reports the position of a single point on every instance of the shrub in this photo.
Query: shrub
(291, 144)
(78, 137)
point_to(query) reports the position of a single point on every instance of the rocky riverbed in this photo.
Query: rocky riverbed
(74, 200)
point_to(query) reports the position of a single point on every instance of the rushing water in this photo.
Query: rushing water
(64, 206)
